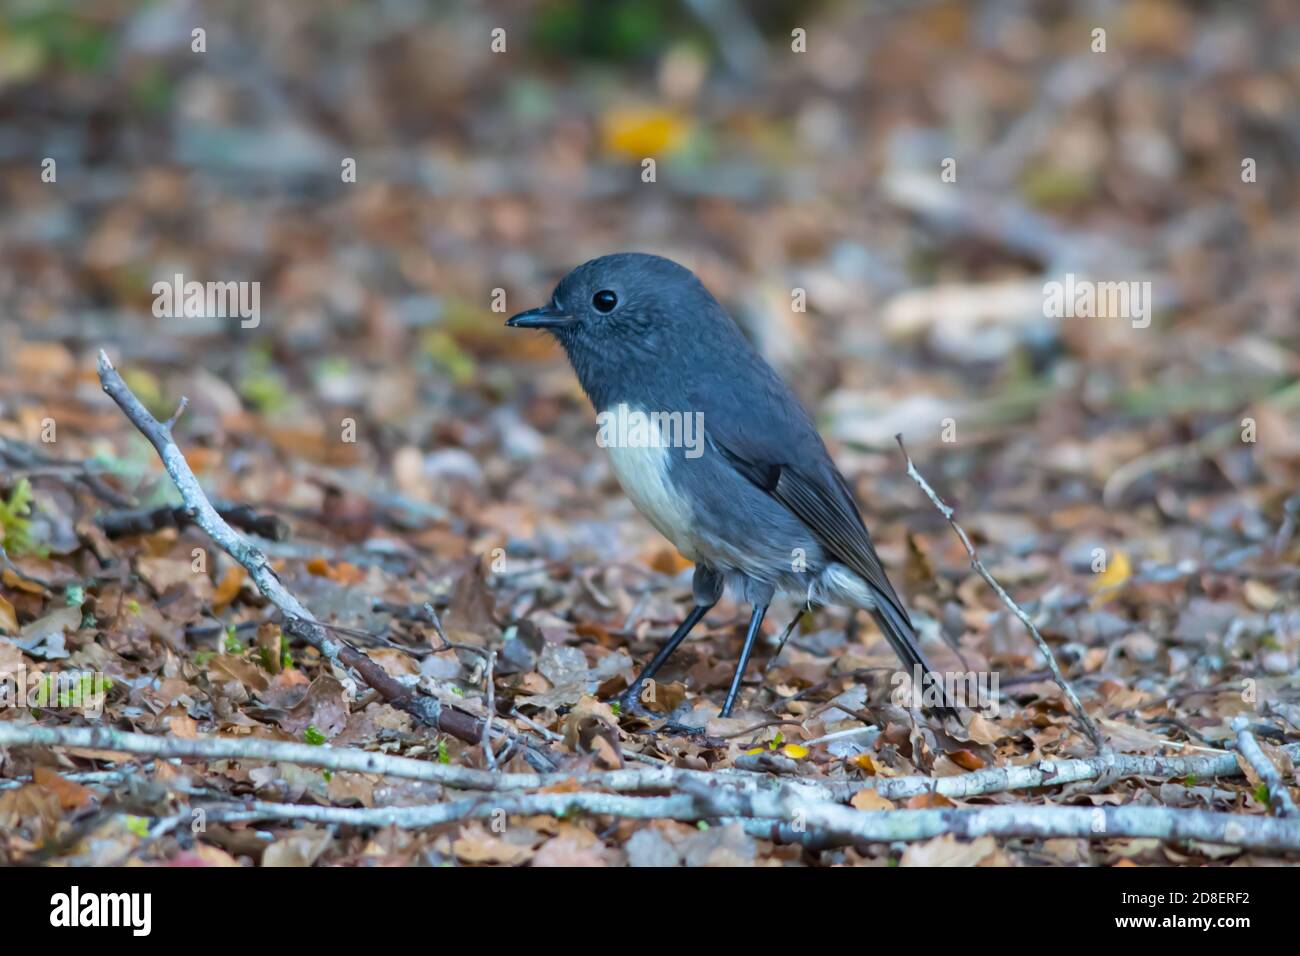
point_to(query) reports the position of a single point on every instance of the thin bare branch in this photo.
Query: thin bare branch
(1047, 773)
(297, 619)
(1279, 796)
(777, 814)
(1080, 712)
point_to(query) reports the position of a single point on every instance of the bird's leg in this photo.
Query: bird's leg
(755, 622)
(785, 636)
(631, 697)
(852, 627)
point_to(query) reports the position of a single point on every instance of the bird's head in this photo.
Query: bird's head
(630, 301)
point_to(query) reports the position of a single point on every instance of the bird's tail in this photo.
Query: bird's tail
(902, 638)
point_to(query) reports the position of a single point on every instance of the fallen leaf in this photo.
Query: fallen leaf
(868, 799)
(228, 588)
(1105, 584)
(637, 132)
(967, 759)
(476, 845)
(1260, 596)
(662, 698)
(71, 796)
(567, 851)
(928, 801)
(947, 850)
(303, 848)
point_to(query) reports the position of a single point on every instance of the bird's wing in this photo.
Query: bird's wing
(767, 437)
(819, 497)
(822, 501)
(770, 440)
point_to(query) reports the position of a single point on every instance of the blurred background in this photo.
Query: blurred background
(1117, 155)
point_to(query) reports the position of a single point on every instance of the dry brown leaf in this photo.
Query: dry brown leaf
(183, 726)
(475, 844)
(929, 801)
(662, 698)
(567, 851)
(868, 799)
(71, 796)
(947, 850)
(228, 588)
(967, 759)
(302, 848)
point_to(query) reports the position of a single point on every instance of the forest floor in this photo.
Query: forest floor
(425, 484)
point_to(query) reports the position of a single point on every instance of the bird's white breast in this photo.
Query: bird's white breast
(642, 470)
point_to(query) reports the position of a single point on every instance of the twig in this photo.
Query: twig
(118, 524)
(755, 728)
(767, 814)
(1094, 734)
(675, 807)
(13, 734)
(1052, 773)
(431, 617)
(403, 612)
(785, 636)
(488, 753)
(1279, 797)
(107, 778)
(853, 734)
(489, 664)
(297, 619)
(839, 824)
(7, 564)
(35, 464)
(1047, 773)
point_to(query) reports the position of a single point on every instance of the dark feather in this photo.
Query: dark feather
(826, 507)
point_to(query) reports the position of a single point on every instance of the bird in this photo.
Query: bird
(717, 452)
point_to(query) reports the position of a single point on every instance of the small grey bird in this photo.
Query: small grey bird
(755, 500)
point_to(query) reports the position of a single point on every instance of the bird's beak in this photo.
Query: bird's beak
(547, 317)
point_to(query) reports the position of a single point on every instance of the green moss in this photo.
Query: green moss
(15, 523)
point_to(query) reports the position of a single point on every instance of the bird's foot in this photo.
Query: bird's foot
(629, 704)
(672, 728)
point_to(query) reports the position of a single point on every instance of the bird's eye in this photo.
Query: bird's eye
(604, 300)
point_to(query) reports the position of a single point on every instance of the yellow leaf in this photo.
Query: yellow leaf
(229, 587)
(871, 765)
(638, 132)
(795, 751)
(668, 561)
(756, 750)
(864, 762)
(318, 567)
(1118, 570)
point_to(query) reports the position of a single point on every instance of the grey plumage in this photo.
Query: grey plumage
(761, 505)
